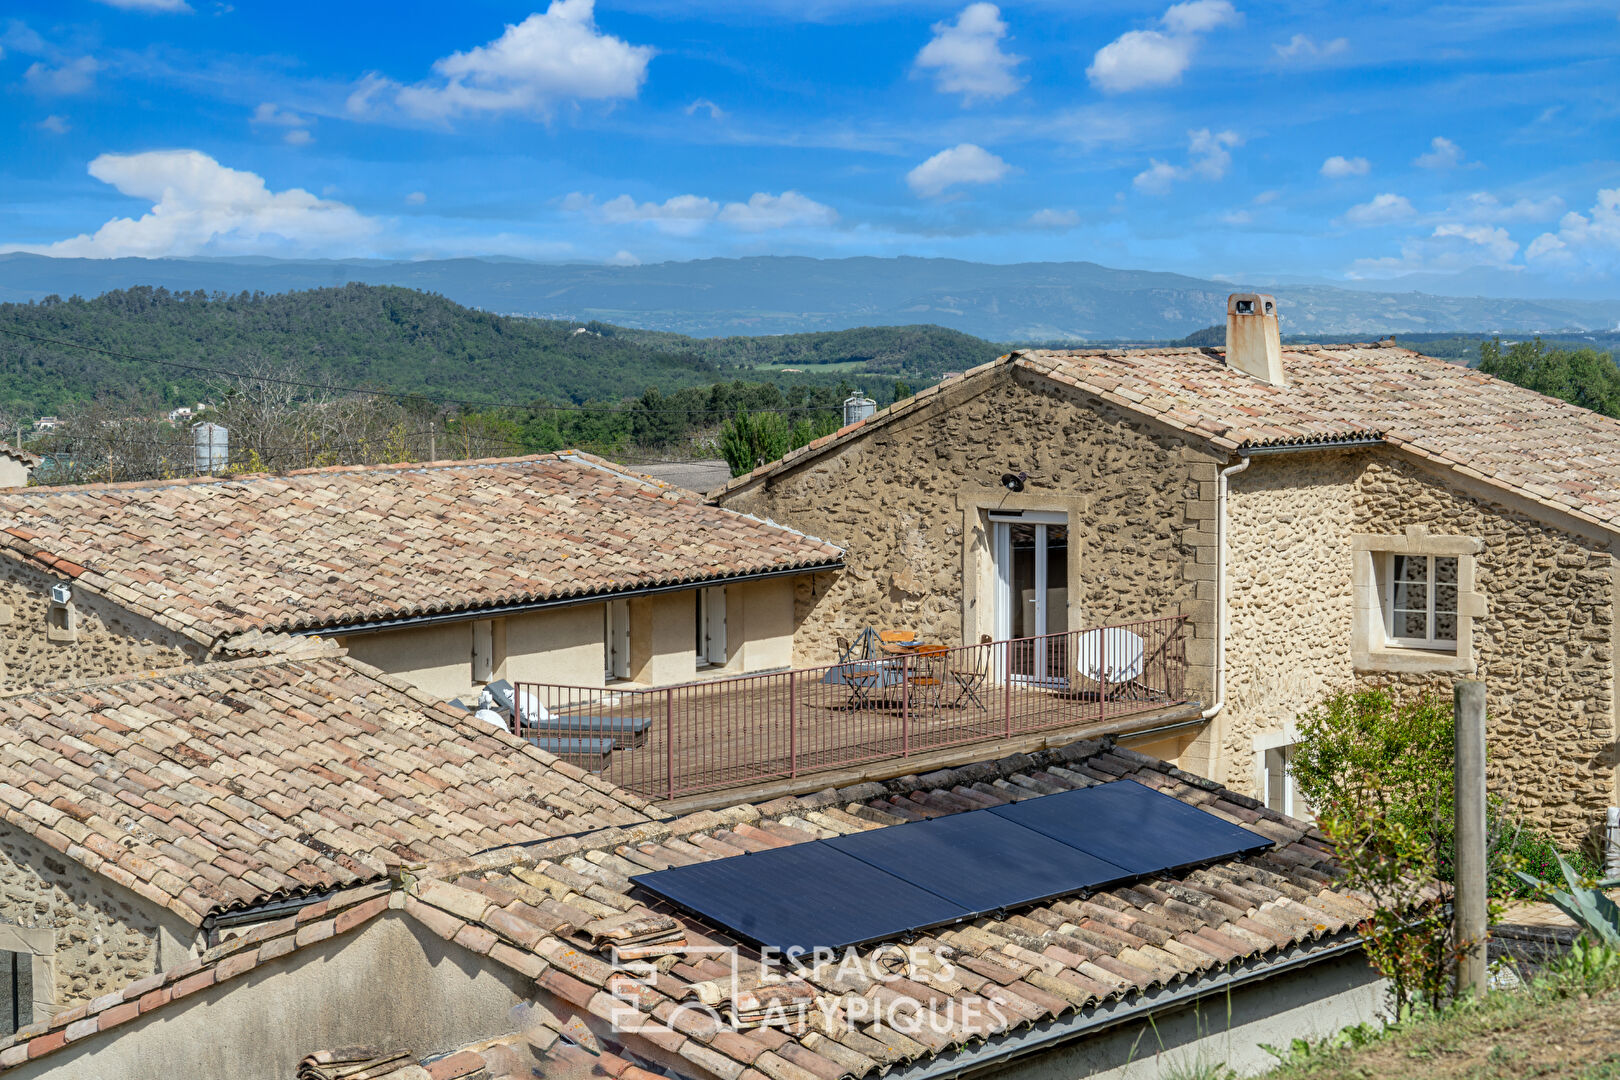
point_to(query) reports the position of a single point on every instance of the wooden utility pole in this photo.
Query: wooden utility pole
(1469, 900)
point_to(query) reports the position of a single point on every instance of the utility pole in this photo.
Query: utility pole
(1469, 900)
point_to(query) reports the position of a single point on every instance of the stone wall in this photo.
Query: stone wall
(1289, 600)
(1544, 647)
(907, 503)
(106, 639)
(106, 936)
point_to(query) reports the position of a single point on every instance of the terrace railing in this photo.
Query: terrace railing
(675, 741)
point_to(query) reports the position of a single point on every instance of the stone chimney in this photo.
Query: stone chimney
(1253, 342)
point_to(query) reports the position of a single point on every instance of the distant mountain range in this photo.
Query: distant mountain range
(1079, 301)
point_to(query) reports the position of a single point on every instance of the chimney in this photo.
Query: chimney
(1253, 342)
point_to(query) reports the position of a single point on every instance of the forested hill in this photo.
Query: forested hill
(414, 342)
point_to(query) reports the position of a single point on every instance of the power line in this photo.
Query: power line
(394, 394)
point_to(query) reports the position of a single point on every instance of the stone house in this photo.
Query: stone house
(146, 818)
(502, 962)
(1322, 516)
(560, 568)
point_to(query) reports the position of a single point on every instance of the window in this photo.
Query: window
(616, 639)
(1277, 779)
(17, 981)
(711, 626)
(1420, 601)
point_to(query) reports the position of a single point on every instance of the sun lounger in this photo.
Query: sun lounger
(626, 732)
(588, 752)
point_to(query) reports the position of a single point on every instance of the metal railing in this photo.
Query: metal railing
(674, 741)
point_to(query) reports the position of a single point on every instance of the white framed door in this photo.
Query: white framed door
(1031, 556)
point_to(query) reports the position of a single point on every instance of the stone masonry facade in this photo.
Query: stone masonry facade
(104, 639)
(905, 500)
(1544, 645)
(105, 936)
(909, 502)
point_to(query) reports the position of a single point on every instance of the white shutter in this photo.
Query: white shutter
(714, 613)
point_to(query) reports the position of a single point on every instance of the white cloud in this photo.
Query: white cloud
(69, 77)
(273, 115)
(1338, 167)
(270, 115)
(1443, 154)
(161, 7)
(1157, 178)
(1588, 240)
(686, 215)
(1265, 197)
(1209, 155)
(555, 56)
(1238, 217)
(1139, 59)
(1055, 219)
(765, 211)
(623, 258)
(964, 163)
(415, 198)
(1302, 47)
(201, 206)
(1483, 206)
(56, 125)
(715, 111)
(1452, 247)
(1200, 16)
(1210, 152)
(966, 56)
(1382, 209)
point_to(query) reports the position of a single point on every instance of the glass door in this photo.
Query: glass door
(1032, 594)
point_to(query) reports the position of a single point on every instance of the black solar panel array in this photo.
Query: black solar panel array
(885, 883)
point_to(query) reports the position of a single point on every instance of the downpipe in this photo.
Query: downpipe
(1220, 586)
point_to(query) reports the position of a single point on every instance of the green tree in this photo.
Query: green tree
(1377, 773)
(1583, 377)
(748, 440)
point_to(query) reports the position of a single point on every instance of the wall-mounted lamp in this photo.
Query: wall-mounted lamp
(1014, 481)
(61, 594)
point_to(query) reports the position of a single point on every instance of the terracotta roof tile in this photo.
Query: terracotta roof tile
(162, 829)
(247, 557)
(1548, 450)
(1036, 962)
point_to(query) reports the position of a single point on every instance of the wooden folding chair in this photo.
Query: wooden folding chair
(968, 670)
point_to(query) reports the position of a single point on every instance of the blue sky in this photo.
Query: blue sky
(1215, 137)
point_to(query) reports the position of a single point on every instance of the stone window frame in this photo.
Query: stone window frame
(39, 944)
(1370, 648)
(977, 502)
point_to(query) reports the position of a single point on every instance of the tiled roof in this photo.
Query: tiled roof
(537, 911)
(330, 547)
(334, 915)
(222, 785)
(26, 456)
(1547, 450)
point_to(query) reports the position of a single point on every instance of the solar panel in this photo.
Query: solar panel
(1010, 864)
(801, 897)
(1133, 826)
(884, 883)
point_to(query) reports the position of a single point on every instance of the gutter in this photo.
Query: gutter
(1313, 445)
(1308, 446)
(1051, 1034)
(1220, 586)
(470, 614)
